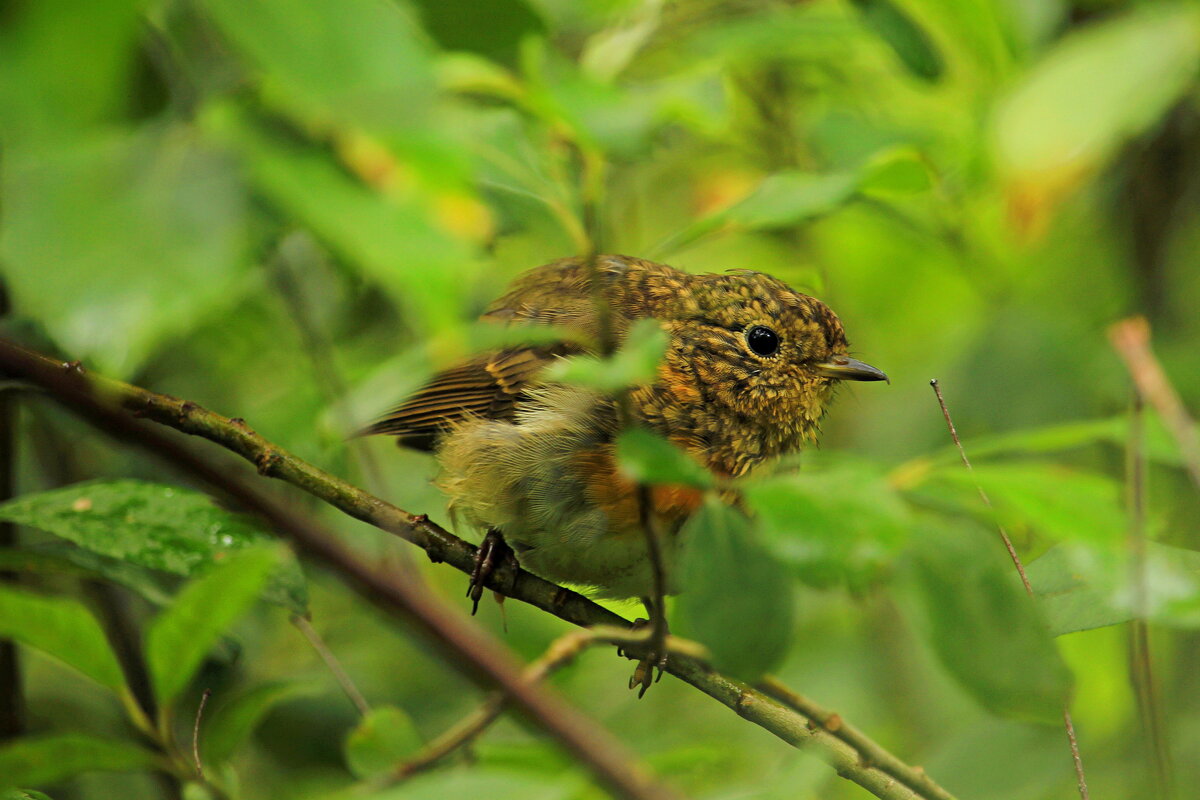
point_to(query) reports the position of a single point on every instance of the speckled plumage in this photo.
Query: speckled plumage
(535, 461)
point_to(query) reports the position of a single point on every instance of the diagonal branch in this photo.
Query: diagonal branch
(885, 778)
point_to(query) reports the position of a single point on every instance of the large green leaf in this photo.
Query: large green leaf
(179, 638)
(121, 240)
(64, 558)
(841, 524)
(1081, 588)
(62, 628)
(359, 63)
(987, 631)
(383, 739)
(152, 525)
(56, 757)
(231, 722)
(1058, 501)
(736, 598)
(1096, 89)
(646, 457)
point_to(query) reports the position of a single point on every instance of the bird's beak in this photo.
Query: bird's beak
(845, 368)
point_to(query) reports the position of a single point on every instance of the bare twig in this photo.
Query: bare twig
(1141, 665)
(331, 662)
(467, 647)
(1131, 339)
(870, 752)
(754, 706)
(196, 734)
(1068, 723)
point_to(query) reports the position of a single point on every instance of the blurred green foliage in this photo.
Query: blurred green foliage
(292, 211)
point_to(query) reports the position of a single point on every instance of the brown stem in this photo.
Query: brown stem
(756, 707)
(332, 664)
(1068, 723)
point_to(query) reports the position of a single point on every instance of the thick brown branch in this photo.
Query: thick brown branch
(440, 545)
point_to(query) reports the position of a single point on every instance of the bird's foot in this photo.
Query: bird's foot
(655, 657)
(491, 553)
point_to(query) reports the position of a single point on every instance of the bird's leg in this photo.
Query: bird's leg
(656, 653)
(492, 551)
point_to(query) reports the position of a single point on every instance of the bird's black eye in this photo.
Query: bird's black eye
(762, 340)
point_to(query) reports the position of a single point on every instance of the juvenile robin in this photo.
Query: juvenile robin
(749, 369)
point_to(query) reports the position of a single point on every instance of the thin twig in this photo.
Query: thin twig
(1141, 666)
(1131, 339)
(465, 646)
(870, 752)
(1068, 723)
(234, 435)
(331, 662)
(196, 733)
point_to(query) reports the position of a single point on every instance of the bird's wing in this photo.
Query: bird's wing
(490, 387)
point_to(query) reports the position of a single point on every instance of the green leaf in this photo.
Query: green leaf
(23, 794)
(455, 25)
(779, 201)
(634, 363)
(400, 242)
(152, 525)
(62, 628)
(56, 757)
(232, 722)
(1079, 588)
(1099, 87)
(895, 171)
(910, 43)
(1060, 502)
(646, 457)
(987, 631)
(736, 598)
(357, 63)
(841, 524)
(178, 639)
(384, 738)
(169, 211)
(64, 558)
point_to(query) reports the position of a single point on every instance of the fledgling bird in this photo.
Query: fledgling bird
(749, 369)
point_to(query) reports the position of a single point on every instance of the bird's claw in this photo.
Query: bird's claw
(656, 659)
(492, 551)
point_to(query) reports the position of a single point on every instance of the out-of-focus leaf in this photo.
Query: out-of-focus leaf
(736, 598)
(401, 242)
(646, 457)
(359, 63)
(1058, 501)
(1158, 444)
(54, 758)
(56, 79)
(23, 794)
(150, 525)
(779, 201)
(608, 52)
(910, 43)
(62, 628)
(635, 362)
(232, 722)
(1096, 89)
(1079, 589)
(492, 28)
(844, 523)
(383, 739)
(185, 631)
(483, 780)
(896, 171)
(119, 242)
(987, 632)
(65, 558)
